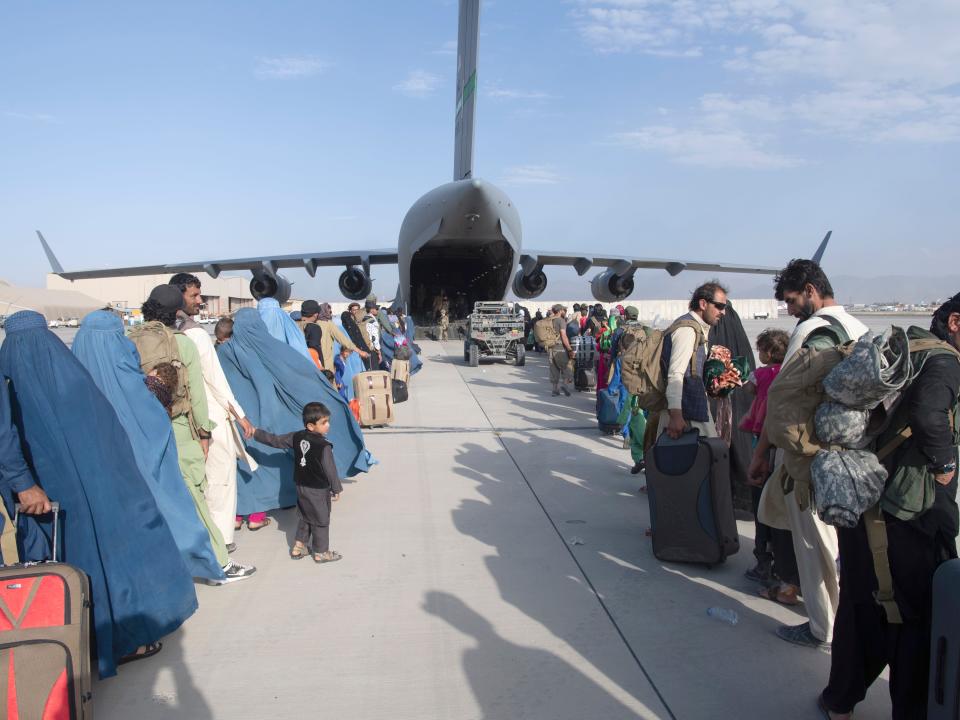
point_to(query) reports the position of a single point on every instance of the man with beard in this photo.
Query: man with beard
(804, 287)
(225, 446)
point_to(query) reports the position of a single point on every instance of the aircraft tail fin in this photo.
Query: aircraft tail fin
(818, 255)
(467, 49)
(55, 265)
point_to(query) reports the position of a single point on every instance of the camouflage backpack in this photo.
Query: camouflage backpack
(156, 344)
(641, 369)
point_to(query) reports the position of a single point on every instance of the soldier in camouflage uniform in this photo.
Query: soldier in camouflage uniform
(444, 318)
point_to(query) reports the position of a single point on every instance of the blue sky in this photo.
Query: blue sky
(729, 130)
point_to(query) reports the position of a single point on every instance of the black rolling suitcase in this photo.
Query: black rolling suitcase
(944, 699)
(691, 502)
(585, 379)
(400, 391)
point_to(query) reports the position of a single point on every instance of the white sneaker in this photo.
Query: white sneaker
(235, 571)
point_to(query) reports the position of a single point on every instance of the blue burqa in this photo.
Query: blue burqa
(616, 384)
(388, 343)
(281, 326)
(273, 382)
(111, 527)
(113, 362)
(15, 474)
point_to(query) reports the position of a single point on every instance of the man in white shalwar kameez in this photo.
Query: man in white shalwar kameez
(226, 446)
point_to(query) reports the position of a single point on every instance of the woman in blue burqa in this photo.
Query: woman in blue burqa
(273, 382)
(114, 364)
(110, 526)
(388, 342)
(281, 326)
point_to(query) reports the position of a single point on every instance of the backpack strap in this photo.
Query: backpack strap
(877, 540)
(701, 339)
(876, 528)
(928, 344)
(834, 333)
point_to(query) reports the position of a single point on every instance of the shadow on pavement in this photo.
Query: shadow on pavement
(505, 676)
(165, 686)
(703, 667)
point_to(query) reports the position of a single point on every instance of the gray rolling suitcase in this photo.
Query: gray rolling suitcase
(944, 699)
(691, 502)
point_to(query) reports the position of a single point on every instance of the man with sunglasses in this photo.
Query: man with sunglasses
(684, 354)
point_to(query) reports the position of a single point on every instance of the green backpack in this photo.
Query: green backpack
(156, 344)
(640, 353)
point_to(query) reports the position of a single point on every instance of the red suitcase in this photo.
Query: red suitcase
(45, 640)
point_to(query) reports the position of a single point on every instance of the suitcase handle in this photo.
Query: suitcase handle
(55, 509)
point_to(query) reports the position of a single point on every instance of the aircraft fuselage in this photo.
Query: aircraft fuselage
(462, 238)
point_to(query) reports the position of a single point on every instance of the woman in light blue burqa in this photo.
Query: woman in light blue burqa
(110, 527)
(281, 326)
(114, 364)
(273, 382)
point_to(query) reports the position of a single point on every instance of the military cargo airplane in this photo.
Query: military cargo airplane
(462, 238)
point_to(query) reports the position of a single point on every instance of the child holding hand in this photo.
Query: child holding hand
(315, 475)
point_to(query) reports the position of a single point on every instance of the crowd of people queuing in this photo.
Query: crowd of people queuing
(198, 436)
(163, 437)
(798, 554)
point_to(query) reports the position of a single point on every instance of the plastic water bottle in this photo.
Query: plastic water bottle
(728, 616)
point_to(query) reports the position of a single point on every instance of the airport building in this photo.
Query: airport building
(222, 295)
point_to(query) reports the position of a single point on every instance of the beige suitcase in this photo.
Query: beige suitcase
(374, 393)
(400, 370)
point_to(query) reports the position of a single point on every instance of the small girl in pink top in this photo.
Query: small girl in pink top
(771, 347)
(776, 563)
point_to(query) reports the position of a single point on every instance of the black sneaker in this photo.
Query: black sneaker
(638, 468)
(801, 635)
(234, 571)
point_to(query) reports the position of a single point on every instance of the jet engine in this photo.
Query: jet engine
(265, 284)
(529, 286)
(609, 287)
(355, 284)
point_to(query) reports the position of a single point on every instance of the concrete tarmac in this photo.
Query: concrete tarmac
(495, 566)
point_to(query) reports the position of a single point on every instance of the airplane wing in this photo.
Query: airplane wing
(623, 265)
(267, 263)
(533, 260)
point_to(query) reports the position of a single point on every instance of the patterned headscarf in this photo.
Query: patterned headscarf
(326, 312)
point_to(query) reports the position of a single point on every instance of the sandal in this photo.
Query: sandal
(238, 524)
(148, 651)
(319, 558)
(254, 528)
(299, 552)
(785, 594)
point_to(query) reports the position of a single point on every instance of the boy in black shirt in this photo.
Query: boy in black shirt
(315, 475)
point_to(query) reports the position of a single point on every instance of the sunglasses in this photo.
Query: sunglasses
(718, 305)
